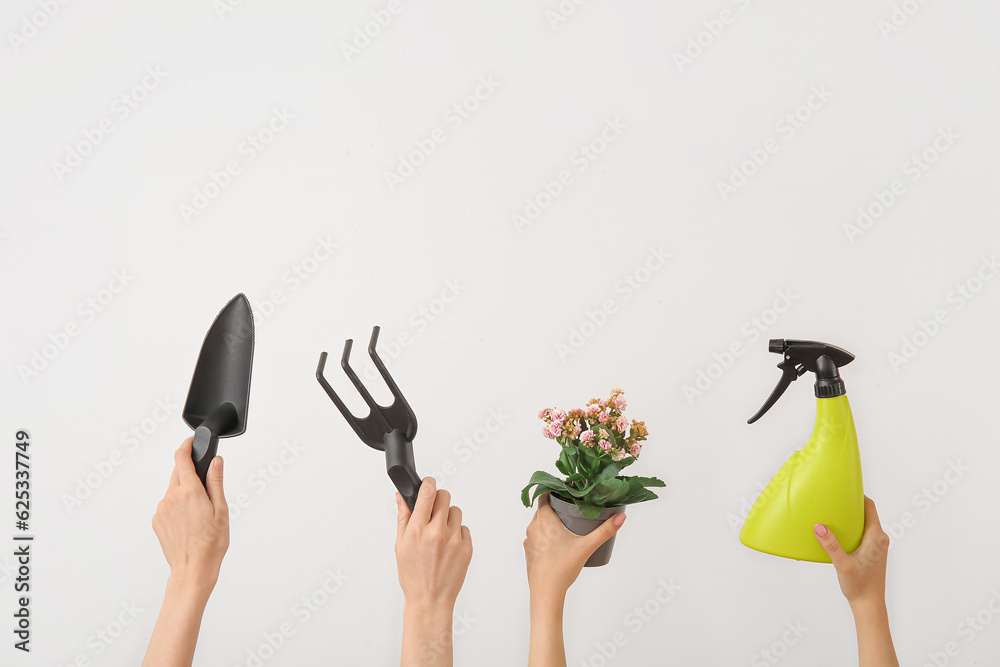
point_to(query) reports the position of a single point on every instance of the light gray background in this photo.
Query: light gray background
(522, 292)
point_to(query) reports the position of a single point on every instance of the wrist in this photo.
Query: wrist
(429, 610)
(547, 600)
(869, 608)
(189, 586)
(427, 632)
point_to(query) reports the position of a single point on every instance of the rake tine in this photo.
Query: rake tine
(351, 419)
(411, 421)
(375, 408)
(381, 434)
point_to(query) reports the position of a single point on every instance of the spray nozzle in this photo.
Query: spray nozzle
(800, 356)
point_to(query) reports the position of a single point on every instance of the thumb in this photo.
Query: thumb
(403, 518)
(603, 532)
(831, 545)
(213, 484)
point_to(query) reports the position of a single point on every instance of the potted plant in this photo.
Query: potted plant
(597, 443)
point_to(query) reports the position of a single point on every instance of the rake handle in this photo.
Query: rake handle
(400, 466)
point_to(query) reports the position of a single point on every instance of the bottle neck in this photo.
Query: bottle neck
(828, 382)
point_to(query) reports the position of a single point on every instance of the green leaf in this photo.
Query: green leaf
(648, 481)
(576, 492)
(607, 470)
(589, 510)
(609, 492)
(562, 463)
(591, 459)
(573, 456)
(547, 488)
(637, 492)
(546, 482)
(627, 461)
(640, 496)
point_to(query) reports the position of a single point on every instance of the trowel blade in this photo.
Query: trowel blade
(223, 369)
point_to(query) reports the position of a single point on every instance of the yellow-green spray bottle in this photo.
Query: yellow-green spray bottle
(820, 483)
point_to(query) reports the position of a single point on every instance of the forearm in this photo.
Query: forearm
(546, 644)
(427, 635)
(875, 647)
(176, 632)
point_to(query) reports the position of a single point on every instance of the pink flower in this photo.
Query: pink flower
(605, 445)
(604, 418)
(620, 403)
(558, 415)
(617, 454)
(621, 424)
(615, 391)
(635, 450)
(587, 436)
(554, 430)
(544, 413)
(547, 433)
(592, 409)
(603, 403)
(575, 430)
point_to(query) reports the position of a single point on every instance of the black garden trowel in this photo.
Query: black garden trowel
(217, 402)
(386, 428)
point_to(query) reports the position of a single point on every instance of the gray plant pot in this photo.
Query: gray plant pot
(573, 518)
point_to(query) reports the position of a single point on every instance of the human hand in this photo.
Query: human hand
(862, 573)
(433, 548)
(193, 529)
(192, 525)
(555, 555)
(433, 551)
(862, 580)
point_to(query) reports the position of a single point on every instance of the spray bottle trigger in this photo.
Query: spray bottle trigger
(789, 373)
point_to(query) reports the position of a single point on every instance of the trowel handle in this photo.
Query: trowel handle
(206, 438)
(400, 466)
(203, 449)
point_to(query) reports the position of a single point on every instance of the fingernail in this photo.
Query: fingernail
(820, 530)
(217, 462)
(619, 519)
